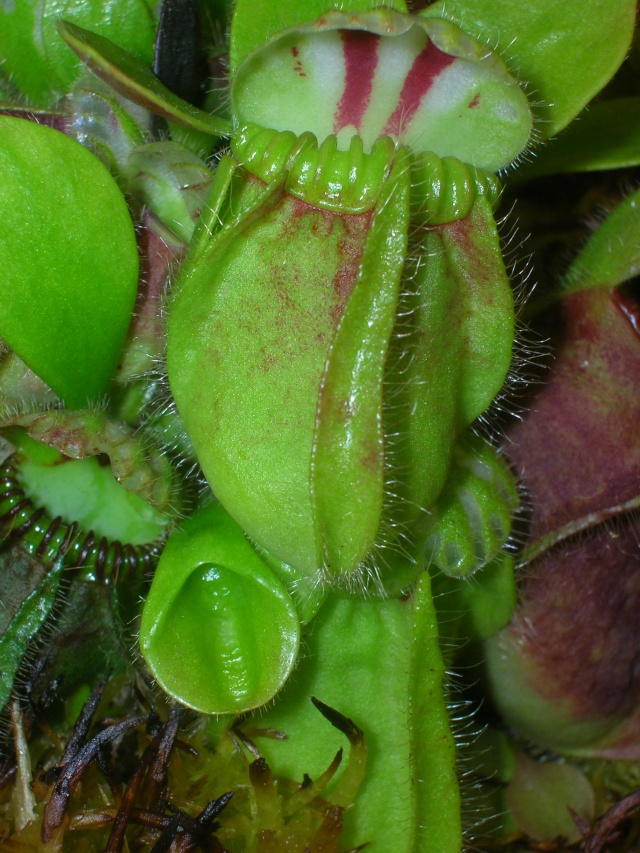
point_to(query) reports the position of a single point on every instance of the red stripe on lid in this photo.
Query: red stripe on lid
(360, 51)
(427, 65)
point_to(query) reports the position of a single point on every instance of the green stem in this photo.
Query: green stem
(209, 221)
(433, 748)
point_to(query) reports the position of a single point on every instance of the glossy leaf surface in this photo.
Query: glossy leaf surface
(394, 688)
(69, 259)
(219, 630)
(40, 64)
(348, 453)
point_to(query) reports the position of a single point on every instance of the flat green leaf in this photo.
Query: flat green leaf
(133, 79)
(69, 260)
(605, 136)
(432, 742)
(540, 795)
(379, 663)
(564, 53)
(612, 255)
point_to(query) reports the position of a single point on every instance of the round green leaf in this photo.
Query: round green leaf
(219, 630)
(540, 795)
(69, 260)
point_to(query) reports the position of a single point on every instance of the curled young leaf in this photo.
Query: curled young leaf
(472, 516)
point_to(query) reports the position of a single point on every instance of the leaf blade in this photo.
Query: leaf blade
(135, 81)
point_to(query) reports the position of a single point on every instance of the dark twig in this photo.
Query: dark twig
(83, 723)
(123, 815)
(167, 740)
(607, 829)
(71, 772)
(194, 831)
(339, 721)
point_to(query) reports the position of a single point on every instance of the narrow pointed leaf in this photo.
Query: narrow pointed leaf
(605, 136)
(612, 255)
(26, 623)
(135, 81)
(40, 64)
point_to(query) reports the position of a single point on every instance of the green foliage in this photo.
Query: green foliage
(219, 630)
(341, 316)
(606, 135)
(134, 80)
(563, 52)
(40, 65)
(69, 291)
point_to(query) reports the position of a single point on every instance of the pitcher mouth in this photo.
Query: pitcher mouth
(420, 81)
